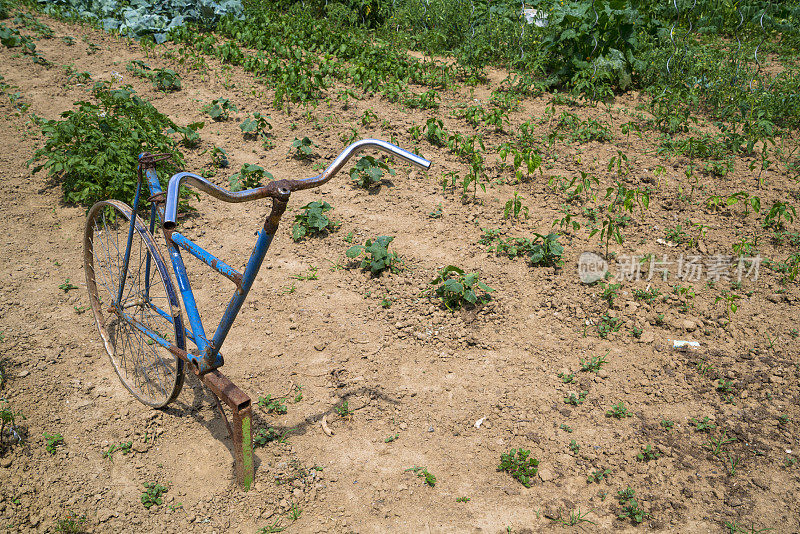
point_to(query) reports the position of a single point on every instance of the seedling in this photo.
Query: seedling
(608, 325)
(303, 148)
(576, 400)
(704, 424)
(714, 445)
(219, 109)
(724, 386)
(8, 419)
(575, 517)
(594, 364)
(344, 410)
(312, 220)
(565, 428)
(369, 172)
(519, 465)
(255, 127)
(514, 207)
(456, 288)
(124, 448)
(609, 293)
(573, 446)
(423, 472)
(377, 257)
(249, 177)
(271, 405)
(267, 435)
(732, 463)
(463, 499)
(630, 508)
(666, 423)
(294, 513)
(52, 441)
(152, 494)
(566, 379)
(648, 295)
(391, 438)
(437, 212)
(67, 286)
(648, 453)
(598, 476)
(618, 411)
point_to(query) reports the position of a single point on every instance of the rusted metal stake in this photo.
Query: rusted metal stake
(243, 447)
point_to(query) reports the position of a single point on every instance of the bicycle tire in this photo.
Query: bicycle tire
(151, 373)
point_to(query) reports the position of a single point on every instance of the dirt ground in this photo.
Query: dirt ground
(454, 390)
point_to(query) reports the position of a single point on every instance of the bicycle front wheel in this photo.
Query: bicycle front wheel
(149, 304)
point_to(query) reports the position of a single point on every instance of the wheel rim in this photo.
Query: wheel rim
(150, 372)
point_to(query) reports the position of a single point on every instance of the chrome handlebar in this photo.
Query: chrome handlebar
(279, 188)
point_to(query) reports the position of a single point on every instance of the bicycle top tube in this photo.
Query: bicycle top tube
(279, 188)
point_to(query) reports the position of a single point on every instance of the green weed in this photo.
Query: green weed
(376, 255)
(457, 288)
(519, 465)
(152, 494)
(312, 220)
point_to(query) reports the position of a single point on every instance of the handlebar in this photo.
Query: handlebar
(279, 188)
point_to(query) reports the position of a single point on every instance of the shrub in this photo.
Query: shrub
(93, 150)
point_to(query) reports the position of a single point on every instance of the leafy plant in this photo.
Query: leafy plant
(704, 424)
(219, 109)
(456, 288)
(344, 410)
(123, 447)
(72, 524)
(607, 325)
(312, 220)
(630, 508)
(576, 400)
(514, 207)
(369, 171)
(519, 465)
(648, 453)
(249, 177)
(52, 441)
(9, 431)
(87, 149)
(67, 286)
(377, 257)
(598, 476)
(618, 411)
(152, 494)
(271, 405)
(255, 127)
(423, 472)
(594, 363)
(303, 148)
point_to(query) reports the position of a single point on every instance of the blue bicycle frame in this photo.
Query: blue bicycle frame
(207, 357)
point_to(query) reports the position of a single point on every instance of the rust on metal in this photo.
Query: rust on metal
(274, 217)
(158, 197)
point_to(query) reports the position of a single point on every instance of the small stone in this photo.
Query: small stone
(320, 345)
(297, 493)
(23, 374)
(140, 447)
(5, 462)
(688, 325)
(602, 373)
(403, 426)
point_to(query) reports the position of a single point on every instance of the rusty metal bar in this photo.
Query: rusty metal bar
(240, 426)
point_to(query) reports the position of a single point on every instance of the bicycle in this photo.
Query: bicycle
(139, 313)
